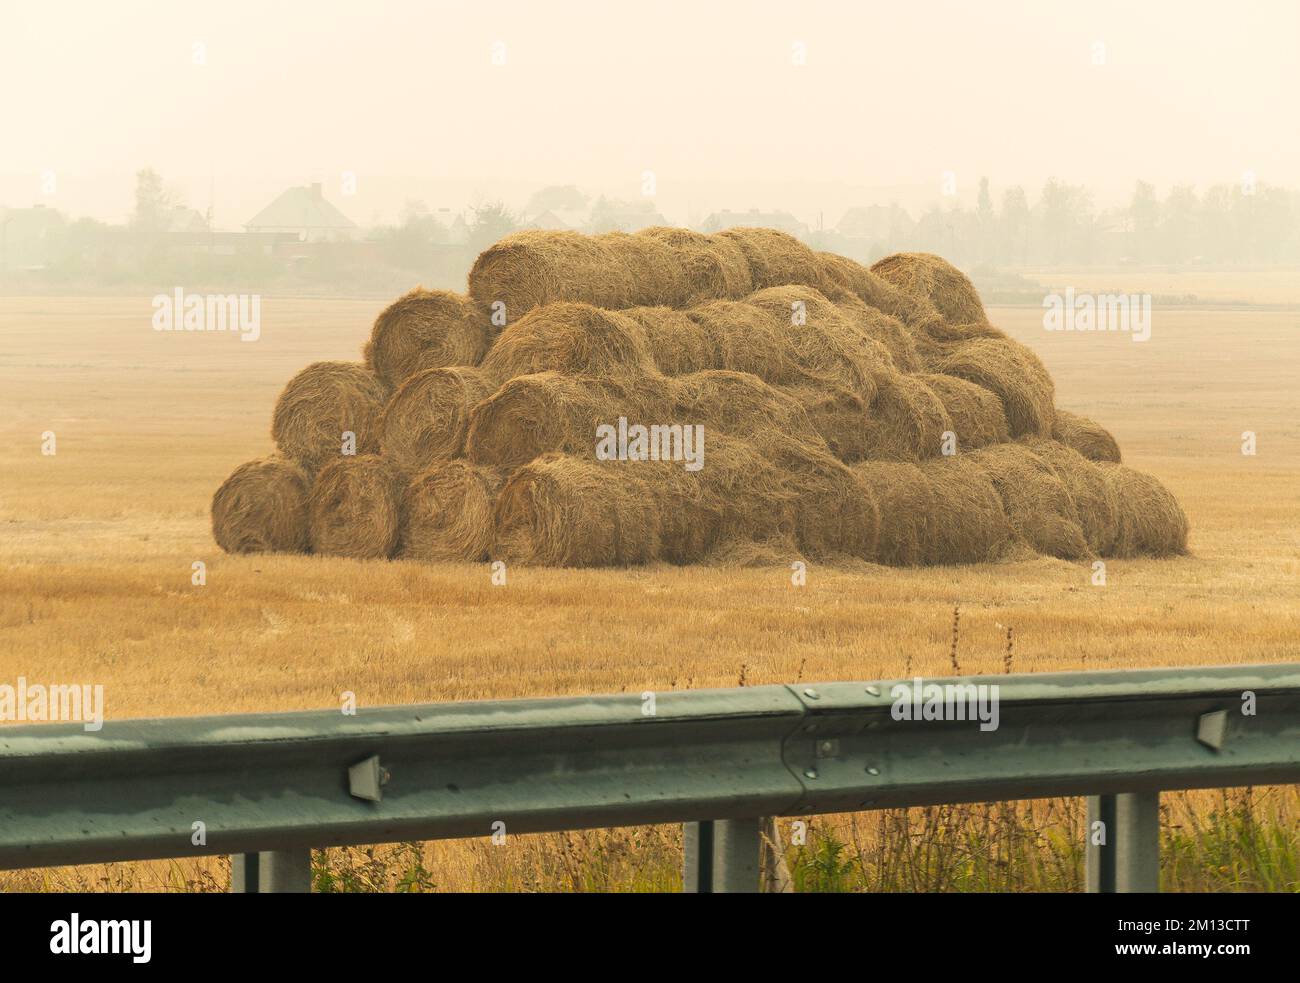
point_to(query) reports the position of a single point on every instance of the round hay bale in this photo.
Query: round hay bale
(353, 508)
(906, 421)
(262, 508)
(838, 416)
(828, 347)
(1094, 498)
(889, 332)
(968, 523)
(746, 339)
(977, 415)
(1090, 439)
(427, 329)
(564, 511)
(848, 280)
(740, 404)
(1013, 372)
(528, 269)
(571, 338)
(775, 258)
(834, 513)
(446, 513)
(705, 267)
(906, 504)
(938, 281)
(676, 343)
(533, 414)
(320, 404)
(427, 419)
(1037, 503)
(1151, 521)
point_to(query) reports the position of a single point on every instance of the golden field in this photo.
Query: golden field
(97, 544)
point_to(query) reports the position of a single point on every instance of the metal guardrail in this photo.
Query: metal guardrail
(268, 788)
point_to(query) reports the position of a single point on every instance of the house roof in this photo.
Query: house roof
(300, 208)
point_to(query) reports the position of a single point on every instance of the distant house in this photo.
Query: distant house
(28, 237)
(612, 215)
(754, 218)
(304, 213)
(557, 219)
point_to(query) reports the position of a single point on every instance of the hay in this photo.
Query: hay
(427, 329)
(427, 419)
(906, 504)
(528, 269)
(1013, 372)
(977, 415)
(565, 511)
(1093, 497)
(889, 332)
(1037, 503)
(446, 513)
(533, 414)
(834, 513)
(676, 343)
(575, 339)
(775, 258)
(849, 281)
(740, 404)
(839, 417)
(703, 268)
(968, 523)
(319, 404)
(938, 281)
(262, 508)
(353, 508)
(1090, 439)
(906, 421)
(1150, 519)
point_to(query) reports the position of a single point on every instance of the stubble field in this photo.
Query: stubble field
(97, 543)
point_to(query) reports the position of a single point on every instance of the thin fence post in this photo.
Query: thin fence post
(1127, 860)
(285, 871)
(243, 873)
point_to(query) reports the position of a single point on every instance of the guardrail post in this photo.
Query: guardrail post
(243, 873)
(1129, 859)
(285, 871)
(722, 856)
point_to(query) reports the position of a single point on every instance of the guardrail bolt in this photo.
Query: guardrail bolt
(872, 770)
(810, 773)
(873, 690)
(812, 694)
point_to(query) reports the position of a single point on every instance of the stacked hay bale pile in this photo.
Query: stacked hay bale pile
(846, 411)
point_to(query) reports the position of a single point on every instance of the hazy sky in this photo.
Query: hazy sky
(706, 94)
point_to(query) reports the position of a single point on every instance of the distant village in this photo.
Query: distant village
(301, 239)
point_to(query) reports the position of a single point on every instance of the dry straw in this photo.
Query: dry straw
(977, 415)
(572, 338)
(938, 281)
(427, 419)
(847, 280)
(968, 524)
(775, 258)
(906, 421)
(906, 505)
(322, 403)
(566, 511)
(547, 411)
(262, 508)
(1094, 498)
(1013, 372)
(1036, 502)
(446, 513)
(427, 329)
(353, 508)
(1090, 439)
(1150, 519)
